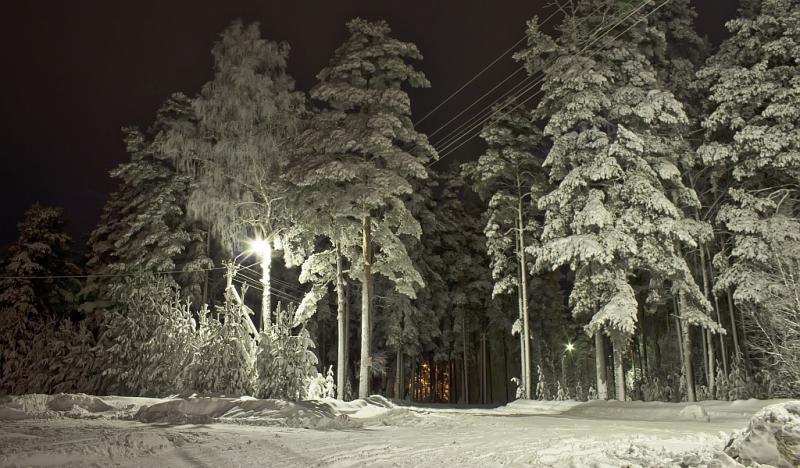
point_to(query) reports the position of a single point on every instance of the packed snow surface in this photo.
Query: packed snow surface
(83, 430)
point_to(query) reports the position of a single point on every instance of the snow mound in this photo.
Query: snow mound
(40, 406)
(772, 437)
(696, 412)
(69, 402)
(317, 414)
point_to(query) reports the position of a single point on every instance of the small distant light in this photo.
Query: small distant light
(570, 347)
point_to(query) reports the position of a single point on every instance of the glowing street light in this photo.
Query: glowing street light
(570, 347)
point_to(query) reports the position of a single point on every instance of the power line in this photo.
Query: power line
(588, 44)
(540, 91)
(466, 133)
(513, 89)
(476, 76)
(276, 292)
(114, 275)
(283, 284)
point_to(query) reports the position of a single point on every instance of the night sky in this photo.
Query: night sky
(75, 72)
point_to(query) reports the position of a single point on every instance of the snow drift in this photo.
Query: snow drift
(772, 437)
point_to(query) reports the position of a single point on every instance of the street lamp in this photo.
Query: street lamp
(263, 249)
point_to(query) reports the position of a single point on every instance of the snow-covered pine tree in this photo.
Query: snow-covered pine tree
(285, 361)
(28, 306)
(753, 146)
(365, 153)
(609, 217)
(509, 177)
(144, 226)
(146, 344)
(237, 147)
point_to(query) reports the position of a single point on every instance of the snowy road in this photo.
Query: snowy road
(600, 434)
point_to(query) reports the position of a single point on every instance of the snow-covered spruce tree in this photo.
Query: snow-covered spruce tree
(146, 344)
(365, 153)
(224, 362)
(144, 226)
(285, 361)
(29, 306)
(237, 147)
(753, 145)
(510, 179)
(612, 161)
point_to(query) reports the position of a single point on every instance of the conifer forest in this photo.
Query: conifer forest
(619, 240)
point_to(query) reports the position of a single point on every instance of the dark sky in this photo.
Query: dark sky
(75, 72)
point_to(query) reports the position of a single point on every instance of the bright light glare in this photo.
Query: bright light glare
(260, 247)
(277, 243)
(570, 347)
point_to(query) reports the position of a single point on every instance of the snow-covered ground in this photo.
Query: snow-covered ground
(79, 430)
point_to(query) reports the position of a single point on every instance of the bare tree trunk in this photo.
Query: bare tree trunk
(505, 368)
(266, 295)
(397, 383)
(719, 318)
(523, 268)
(341, 319)
(522, 377)
(208, 273)
(464, 343)
(600, 365)
(712, 366)
(619, 369)
(709, 339)
(736, 348)
(363, 374)
(686, 342)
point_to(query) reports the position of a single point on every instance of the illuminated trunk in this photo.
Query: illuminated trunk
(366, 290)
(600, 365)
(523, 277)
(266, 299)
(341, 318)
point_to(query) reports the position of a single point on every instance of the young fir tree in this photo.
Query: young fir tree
(237, 147)
(146, 344)
(29, 306)
(365, 153)
(510, 179)
(753, 147)
(144, 226)
(610, 217)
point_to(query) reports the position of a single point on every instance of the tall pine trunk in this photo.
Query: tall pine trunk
(464, 343)
(366, 290)
(619, 369)
(600, 365)
(341, 318)
(719, 317)
(711, 353)
(523, 277)
(686, 344)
